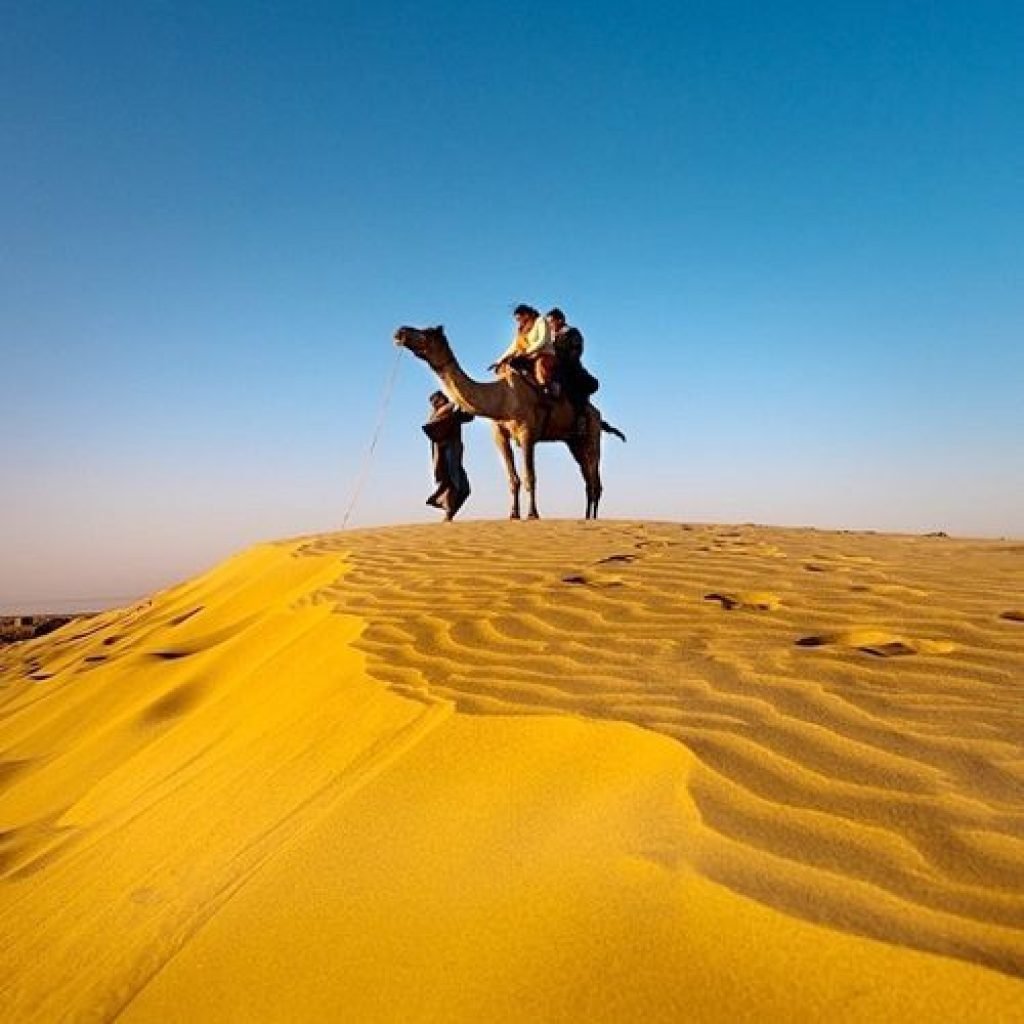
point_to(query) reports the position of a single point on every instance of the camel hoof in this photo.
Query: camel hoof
(514, 515)
(534, 515)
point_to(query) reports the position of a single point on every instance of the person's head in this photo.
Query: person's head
(525, 316)
(438, 398)
(555, 318)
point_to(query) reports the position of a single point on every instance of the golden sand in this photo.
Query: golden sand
(527, 771)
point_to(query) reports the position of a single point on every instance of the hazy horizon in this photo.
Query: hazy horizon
(792, 238)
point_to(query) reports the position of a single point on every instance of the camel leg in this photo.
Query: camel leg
(587, 453)
(592, 472)
(504, 443)
(578, 449)
(583, 453)
(530, 476)
(594, 489)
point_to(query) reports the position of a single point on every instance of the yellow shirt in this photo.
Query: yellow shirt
(532, 342)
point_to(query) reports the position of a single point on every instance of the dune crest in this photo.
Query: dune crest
(162, 754)
(526, 771)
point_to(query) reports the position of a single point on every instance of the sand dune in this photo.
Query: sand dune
(527, 771)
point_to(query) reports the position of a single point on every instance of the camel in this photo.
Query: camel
(520, 412)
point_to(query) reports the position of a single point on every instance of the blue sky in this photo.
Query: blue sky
(792, 233)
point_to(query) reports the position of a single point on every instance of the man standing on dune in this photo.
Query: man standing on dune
(444, 428)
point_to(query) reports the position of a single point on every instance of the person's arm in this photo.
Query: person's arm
(506, 355)
(443, 424)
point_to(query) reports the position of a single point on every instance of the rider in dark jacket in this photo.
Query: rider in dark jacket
(577, 383)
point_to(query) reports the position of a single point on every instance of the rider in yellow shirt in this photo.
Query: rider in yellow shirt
(532, 348)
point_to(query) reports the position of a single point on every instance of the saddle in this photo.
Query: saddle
(549, 403)
(523, 369)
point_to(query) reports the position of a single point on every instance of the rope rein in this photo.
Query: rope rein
(365, 469)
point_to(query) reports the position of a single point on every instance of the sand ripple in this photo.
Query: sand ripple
(857, 714)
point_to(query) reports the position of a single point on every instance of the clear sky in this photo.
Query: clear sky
(792, 233)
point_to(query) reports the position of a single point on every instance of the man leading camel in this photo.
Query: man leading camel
(519, 413)
(444, 428)
(531, 349)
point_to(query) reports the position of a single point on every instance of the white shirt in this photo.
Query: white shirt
(538, 339)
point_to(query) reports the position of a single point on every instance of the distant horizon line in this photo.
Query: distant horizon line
(81, 604)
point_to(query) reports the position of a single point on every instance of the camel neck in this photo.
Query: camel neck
(490, 400)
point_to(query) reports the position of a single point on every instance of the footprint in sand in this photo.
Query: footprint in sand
(750, 600)
(617, 558)
(837, 563)
(826, 567)
(878, 643)
(1013, 615)
(590, 581)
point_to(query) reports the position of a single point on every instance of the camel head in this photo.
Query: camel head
(428, 344)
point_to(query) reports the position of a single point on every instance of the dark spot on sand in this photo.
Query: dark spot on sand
(186, 616)
(895, 649)
(9, 771)
(173, 704)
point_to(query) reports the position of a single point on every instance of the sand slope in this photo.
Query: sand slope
(527, 771)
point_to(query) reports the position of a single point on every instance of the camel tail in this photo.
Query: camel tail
(609, 429)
